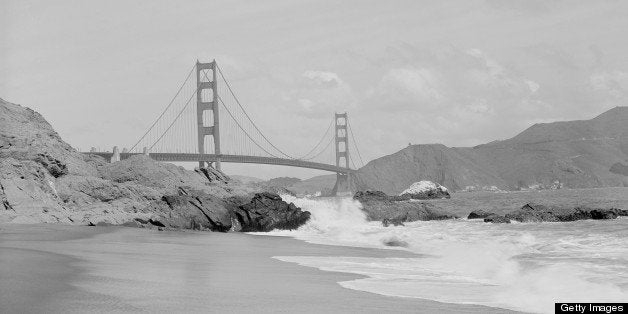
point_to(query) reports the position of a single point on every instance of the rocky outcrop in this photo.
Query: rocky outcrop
(424, 190)
(479, 214)
(397, 209)
(267, 211)
(488, 216)
(200, 212)
(212, 174)
(542, 213)
(45, 180)
(494, 218)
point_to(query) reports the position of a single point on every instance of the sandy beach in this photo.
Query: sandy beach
(71, 269)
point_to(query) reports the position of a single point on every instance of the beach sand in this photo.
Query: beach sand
(72, 269)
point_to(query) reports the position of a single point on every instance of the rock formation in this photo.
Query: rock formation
(542, 213)
(397, 209)
(539, 213)
(488, 216)
(423, 190)
(267, 211)
(43, 179)
(479, 214)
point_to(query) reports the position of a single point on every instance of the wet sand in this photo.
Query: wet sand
(72, 269)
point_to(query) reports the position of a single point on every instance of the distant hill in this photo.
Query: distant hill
(323, 184)
(282, 182)
(572, 154)
(245, 179)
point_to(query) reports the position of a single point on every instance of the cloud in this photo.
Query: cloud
(327, 79)
(479, 106)
(614, 83)
(457, 96)
(534, 86)
(419, 84)
(317, 94)
(306, 104)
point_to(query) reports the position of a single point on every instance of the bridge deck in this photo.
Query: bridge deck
(180, 157)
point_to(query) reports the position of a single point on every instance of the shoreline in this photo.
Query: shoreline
(237, 272)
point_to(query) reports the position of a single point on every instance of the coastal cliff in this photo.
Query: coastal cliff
(44, 180)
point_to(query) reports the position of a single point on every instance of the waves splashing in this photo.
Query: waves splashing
(524, 267)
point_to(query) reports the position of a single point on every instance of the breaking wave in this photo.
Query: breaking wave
(525, 267)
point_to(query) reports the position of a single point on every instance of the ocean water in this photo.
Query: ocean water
(526, 267)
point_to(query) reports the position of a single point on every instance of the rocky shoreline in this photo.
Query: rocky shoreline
(541, 213)
(395, 210)
(44, 180)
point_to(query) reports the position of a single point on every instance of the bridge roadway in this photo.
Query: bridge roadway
(181, 157)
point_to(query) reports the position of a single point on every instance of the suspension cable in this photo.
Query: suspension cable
(187, 103)
(236, 121)
(322, 151)
(166, 109)
(355, 143)
(241, 128)
(320, 141)
(247, 115)
(353, 163)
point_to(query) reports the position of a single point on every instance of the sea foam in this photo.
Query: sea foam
(524, 267)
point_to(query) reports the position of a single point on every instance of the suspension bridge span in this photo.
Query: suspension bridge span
(205, 122)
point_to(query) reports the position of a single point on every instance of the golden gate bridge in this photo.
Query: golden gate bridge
(205, 122)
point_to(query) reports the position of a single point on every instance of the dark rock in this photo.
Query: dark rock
(363, 196)
(200, 211)
(540, 213)
(387, 222)
(603, 214)
(141, 221)
(3, 198)
(396, 209)
(212, 174)
(394, 241)
(55, 167)
(156, 223)
(497, 219)
(6, 205)
(99, 224)
(267, 211)
(479, 214)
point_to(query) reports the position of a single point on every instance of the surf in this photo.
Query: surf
(526, 267)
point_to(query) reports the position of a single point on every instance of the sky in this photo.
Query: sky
(460, 73)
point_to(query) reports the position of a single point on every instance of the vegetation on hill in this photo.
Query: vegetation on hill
(570, 154)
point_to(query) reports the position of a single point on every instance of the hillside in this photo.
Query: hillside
(571, 154)
(245, 179)
(322, 184)
(45, 180)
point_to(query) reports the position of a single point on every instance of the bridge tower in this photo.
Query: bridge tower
(205, 102)
(342, 153)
